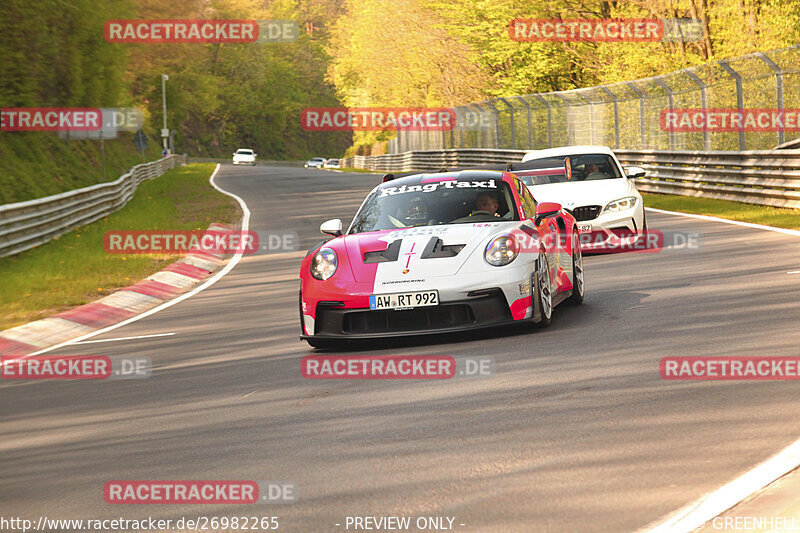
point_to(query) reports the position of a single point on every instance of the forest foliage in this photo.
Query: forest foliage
(354, 53)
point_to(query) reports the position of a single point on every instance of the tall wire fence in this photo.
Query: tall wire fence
(628, 115)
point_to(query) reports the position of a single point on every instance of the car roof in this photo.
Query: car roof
(567, 150)
(240, 149)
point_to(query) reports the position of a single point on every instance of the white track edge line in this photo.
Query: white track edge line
(785, 231)
(208, 283)
(728, 496)
(125, 338)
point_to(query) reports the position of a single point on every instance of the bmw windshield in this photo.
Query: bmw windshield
(584, 167)
(436, 202)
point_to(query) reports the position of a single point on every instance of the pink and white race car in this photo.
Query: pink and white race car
(443, 252)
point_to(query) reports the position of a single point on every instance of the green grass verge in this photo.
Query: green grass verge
(757, 214)
(38, 164)
(75, 269)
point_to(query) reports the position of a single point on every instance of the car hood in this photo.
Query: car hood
(244, 156)
(579, 193)
(415, 253)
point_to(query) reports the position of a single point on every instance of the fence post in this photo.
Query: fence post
(739, 97)
(703, 104)
(460, 122)
(444, 136)
(778, 88)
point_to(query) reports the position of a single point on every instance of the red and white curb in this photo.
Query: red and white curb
(177, 278)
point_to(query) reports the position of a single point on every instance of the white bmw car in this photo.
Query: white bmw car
(244, 156)
(592, 185)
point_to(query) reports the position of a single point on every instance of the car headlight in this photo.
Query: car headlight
(324, 264)
(621, 205)
(502, 250)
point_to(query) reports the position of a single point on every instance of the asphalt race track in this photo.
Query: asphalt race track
(576, 431)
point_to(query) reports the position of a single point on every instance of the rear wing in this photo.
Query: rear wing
(528, 168)
(393, 176)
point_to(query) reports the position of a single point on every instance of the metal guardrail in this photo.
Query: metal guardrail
(432, 159)
(25, 225)
(765, 177)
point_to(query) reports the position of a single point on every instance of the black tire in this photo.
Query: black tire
(544, 296)
(578, 279)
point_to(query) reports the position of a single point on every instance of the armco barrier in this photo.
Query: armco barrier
(432, 159)
(25, 225)
(766, 177)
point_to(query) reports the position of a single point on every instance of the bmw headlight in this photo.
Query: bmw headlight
(324, 264)
(502, 250)
(621, 205)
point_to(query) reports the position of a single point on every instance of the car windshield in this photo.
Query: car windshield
(333, 160)
(434, 202)
(244, 152)
(585, 167)
(317, 159)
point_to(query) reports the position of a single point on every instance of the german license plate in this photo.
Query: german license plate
(585, 228)
(404, 300)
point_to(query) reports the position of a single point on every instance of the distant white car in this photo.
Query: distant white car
(332, 163)
(244, 156)
(592, 185)
(315, 162)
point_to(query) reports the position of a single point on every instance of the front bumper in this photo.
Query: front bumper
(487, 308)
(607, 228)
